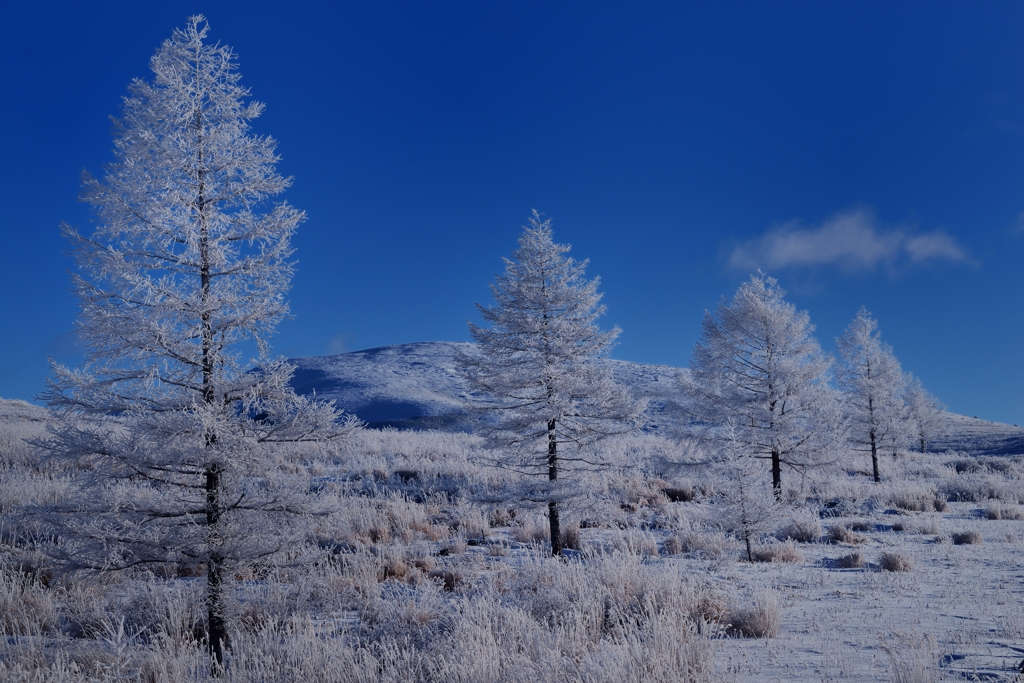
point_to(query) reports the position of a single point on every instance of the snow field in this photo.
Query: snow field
(417, 574)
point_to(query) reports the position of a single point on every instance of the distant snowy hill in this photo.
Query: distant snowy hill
(418, 386)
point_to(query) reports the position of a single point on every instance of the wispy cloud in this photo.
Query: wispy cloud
(853, 240)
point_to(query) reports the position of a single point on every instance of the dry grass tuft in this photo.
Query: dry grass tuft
(804, 529)
(840, 533)
(854, 560)
(966, 538)
(778, 552)
(895, 562)
(762, 619)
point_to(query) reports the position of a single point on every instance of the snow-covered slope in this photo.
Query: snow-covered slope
(419, 386)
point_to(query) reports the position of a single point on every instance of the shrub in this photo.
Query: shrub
(762, 619)
(679, 494)
(854, 560)
(997, 511)
(804, 529)
(895, 562)
(966, 538)
(841, 533)
(778, 552)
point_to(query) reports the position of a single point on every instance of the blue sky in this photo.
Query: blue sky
(861, 153)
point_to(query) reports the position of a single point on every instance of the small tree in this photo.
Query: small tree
(924, 412)
(749, 508)
(758, 365)
(541, 365)
(873, 384)
(186, 270)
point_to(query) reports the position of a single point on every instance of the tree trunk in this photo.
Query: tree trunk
(922, 443)
(216, 625)
(874, 458)
(777, 475)
(554, 526)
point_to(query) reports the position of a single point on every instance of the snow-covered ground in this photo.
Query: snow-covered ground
(413, 565)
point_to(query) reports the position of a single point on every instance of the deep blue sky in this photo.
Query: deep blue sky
(862, 153)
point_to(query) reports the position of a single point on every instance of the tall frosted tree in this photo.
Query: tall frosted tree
(541, 363)
(758, 366)
(183, 278)
(873, 384)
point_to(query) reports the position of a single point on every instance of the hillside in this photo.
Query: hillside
(418, 386)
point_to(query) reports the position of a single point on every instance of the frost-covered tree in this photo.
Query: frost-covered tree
(541, 364)
(924, 412)
(873, 384)
(182, 280)
(749, 508)
(758, 365)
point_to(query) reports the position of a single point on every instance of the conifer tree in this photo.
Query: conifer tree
(924, 412)
(758, 365)
(873, 385)
(180, 284)
(541, 365)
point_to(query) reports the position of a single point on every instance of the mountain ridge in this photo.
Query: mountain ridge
(418, 386)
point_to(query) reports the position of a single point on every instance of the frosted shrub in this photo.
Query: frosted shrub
(804, 528)
(895, 562)
(841, 533)
(762, 618)
(778, 552)
(966, 538)
(854, 560)
(1003, 511)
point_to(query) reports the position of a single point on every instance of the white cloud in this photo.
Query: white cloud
(852, 240)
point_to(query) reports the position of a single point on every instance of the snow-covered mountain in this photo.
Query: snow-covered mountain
(418, 386)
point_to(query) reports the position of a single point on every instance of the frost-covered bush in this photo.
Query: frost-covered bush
(966, 538)
(777, 552)
(760, 618)
(803, 528)
(854, 560)
(895, 562)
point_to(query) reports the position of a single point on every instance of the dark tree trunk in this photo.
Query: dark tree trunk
(922, 443)
(554, 526)
(216, 625)
(777, 475)
(874, 458)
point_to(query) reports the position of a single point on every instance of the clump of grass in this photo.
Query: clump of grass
(854, 560)
(778, 552)
(912, 660)
(966, 538)
(804, 529)
(840, 533)
(997, 511)
(895, 562)
(762, 619)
